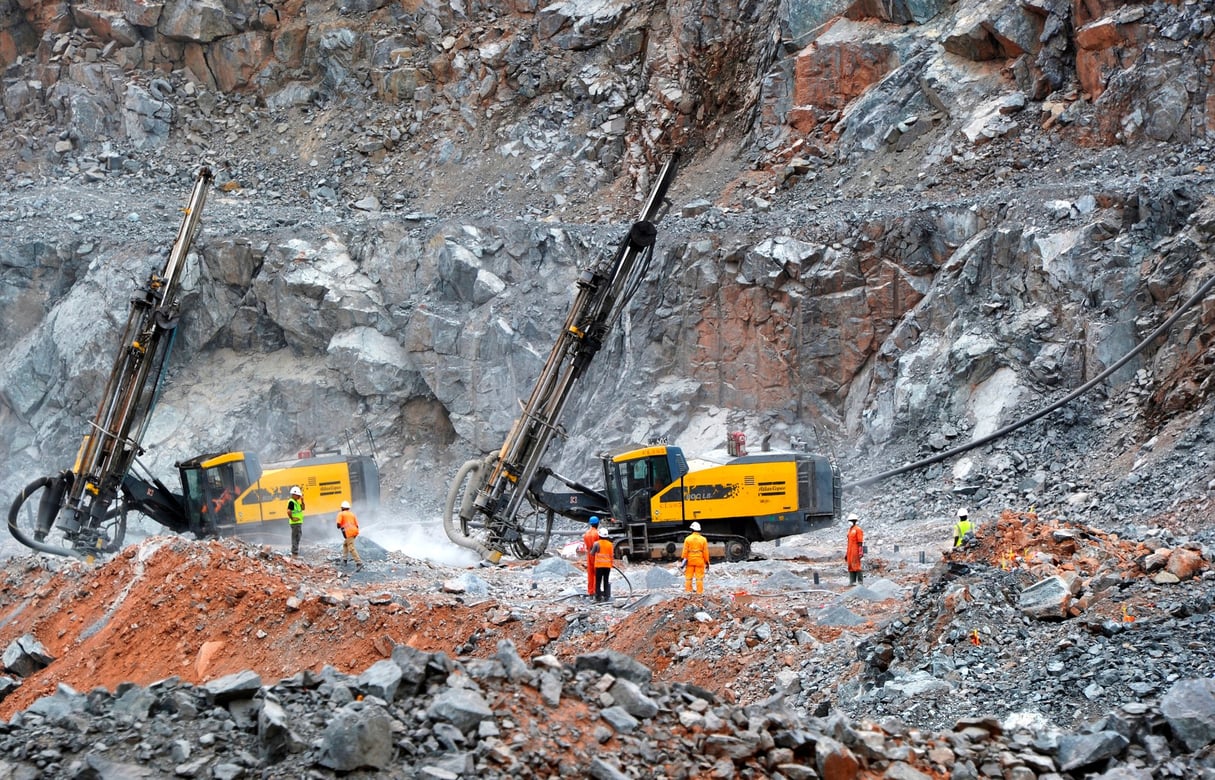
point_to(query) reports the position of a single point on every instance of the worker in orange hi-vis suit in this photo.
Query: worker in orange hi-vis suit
(695, 560)
(588, 541)
(856, 549)
(604, 554)
(348, 524)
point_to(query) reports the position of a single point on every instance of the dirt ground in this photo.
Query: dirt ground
(202, 610)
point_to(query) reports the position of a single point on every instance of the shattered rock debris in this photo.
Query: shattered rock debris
(234, 660)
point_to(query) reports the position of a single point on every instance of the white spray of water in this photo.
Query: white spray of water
(417, 537)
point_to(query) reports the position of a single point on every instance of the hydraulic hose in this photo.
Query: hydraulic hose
(1073, 395)
(14, 528)
(469, 474)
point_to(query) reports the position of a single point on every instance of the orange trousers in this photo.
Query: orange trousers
(694, 572)
(590, 575)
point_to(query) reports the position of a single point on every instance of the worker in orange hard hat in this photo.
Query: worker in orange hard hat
(348, 524)
(588, 541)
(695, 560)
(604, 552)
(856, 549)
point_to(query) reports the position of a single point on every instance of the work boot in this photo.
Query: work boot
(358, 567)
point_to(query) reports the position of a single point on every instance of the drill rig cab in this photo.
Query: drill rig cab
(232, 494)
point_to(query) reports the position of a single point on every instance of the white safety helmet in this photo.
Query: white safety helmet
(852, 518)
(295, 491)
(345, 505)
(695, 526)
(962, 512)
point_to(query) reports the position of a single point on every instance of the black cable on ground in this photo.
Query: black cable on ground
(622, 574)
(1079, 391)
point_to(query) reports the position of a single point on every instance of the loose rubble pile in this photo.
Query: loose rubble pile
(1043, 620)
(423, 715)
(223, 660)
(200, 610)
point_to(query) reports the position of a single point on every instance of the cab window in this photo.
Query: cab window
(652, 474)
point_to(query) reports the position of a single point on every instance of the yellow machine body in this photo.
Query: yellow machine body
(655, 494)
(230, 493)
(712, 491)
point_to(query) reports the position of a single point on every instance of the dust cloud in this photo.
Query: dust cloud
(418, 537)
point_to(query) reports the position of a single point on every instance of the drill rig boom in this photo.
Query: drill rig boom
(494, 496)
(79, 502)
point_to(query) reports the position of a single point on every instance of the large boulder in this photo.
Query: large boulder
(201, 21)
(1048, 599)
(1189, 708)
(359, 736)
(985, 30)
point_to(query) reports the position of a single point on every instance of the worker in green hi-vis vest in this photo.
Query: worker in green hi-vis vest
(295, 516)
(963, 531)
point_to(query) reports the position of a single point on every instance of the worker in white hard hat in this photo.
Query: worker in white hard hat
(963, 531)
(695, 560)
(348, 524)
(604, 551)
(295, 517)
(855, 551)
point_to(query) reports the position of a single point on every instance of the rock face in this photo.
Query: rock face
(919, 222)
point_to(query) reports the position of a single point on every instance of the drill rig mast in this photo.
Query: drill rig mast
(79, 502)
(494, 505)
